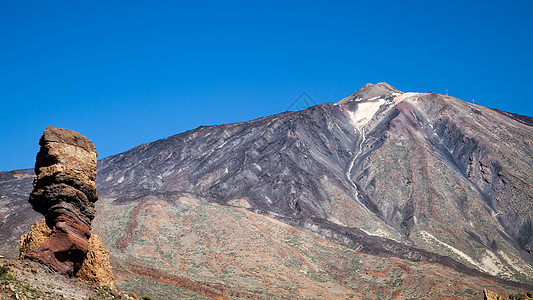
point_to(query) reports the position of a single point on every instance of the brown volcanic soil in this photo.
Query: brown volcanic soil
(189, 247)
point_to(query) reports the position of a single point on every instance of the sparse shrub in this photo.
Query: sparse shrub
(105, 288)
(3, 270)
(471, 292)
(146, 297)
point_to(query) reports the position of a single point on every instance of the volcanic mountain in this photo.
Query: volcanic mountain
(383, 194)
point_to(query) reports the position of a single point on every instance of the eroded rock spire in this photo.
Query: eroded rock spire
(64, 192)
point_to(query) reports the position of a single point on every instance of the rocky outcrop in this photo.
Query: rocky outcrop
(64, 192)
(95, 268)
(32, 240)
(490, 295)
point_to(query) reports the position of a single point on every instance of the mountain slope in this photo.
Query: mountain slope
(425, 178)
(177, 247)
(428, 170)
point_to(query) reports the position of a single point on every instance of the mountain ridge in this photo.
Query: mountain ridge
(219, 191)
(419, 176)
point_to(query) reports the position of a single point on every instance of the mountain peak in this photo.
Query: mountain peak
(370, 91)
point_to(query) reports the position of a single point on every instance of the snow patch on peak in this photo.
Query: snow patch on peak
(405, 96)
(365, 111)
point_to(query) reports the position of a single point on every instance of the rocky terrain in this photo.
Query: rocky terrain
(31, 280)
(382, 195)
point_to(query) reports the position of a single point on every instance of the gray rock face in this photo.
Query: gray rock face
(270, 161)
(16, 214)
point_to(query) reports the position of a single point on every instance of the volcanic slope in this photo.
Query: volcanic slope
(421, 179)
(426, 170)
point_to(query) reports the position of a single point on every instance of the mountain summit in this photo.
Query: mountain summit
(358, 197)
(381, 89)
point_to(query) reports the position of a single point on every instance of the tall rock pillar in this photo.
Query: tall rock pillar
(64, 192)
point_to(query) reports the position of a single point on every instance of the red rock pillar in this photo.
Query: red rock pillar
(64, 192)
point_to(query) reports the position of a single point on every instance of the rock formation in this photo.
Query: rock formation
(64, 192)
(490, 295)
(95, 268)
(32, 240)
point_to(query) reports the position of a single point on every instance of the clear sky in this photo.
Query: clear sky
(125, 73)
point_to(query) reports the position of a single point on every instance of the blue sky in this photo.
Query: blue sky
(125, 73)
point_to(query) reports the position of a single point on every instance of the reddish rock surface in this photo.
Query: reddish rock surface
(64, 192)
(96, 267)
